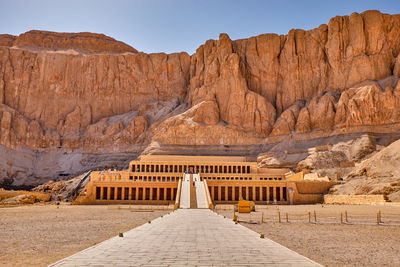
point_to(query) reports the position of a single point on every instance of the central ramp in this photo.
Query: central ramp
(200, 192)
(185, 192)
(188, 237)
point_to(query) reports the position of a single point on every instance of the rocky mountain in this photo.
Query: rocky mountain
(70, 102)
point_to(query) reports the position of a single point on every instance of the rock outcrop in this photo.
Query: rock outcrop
(89, 93)
(82, 42)
(378, 174)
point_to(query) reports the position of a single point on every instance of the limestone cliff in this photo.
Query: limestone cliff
(88, 93)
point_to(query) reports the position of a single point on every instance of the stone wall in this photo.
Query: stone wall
(354, 199)
(313, 187)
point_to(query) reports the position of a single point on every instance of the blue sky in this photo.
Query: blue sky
(177, 25)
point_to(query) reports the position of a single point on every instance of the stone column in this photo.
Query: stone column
(281, 192)
(101, 192)
(144, 193)
(137, 193)
(261, 193)
(226, 193)
(267, 193)
(247, 193)
(108, 193)
(240, 192)
(254, 193)
(123, 193)
(274, 191)
(165, 193)
(151, 193)
(158, 193)
(233, 192)
(212, 193)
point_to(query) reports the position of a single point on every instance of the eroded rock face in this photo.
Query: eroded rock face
(88, 92)
(84, 41)
(286, 123)
(216, 75)
(199, 126)
(57, 85)
(378, 174)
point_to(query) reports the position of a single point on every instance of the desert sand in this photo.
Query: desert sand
(41, 234)
(359, 243)
(38, 235)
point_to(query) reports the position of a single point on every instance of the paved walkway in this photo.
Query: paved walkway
(188, 237)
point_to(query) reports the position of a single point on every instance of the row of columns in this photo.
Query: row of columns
(270, 193)
(168, 168)
(135, 193)
(154, 178)
(243, 178)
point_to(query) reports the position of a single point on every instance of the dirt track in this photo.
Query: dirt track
(38, 235)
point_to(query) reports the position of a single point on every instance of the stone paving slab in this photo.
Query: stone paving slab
(188, 237)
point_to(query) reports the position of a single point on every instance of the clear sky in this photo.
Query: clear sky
(177, 25)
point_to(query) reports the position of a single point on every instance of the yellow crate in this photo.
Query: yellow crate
(245, 206)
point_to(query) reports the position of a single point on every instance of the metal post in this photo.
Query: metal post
(279, 216)
(315, 216)
(309, 217)
(287, 218)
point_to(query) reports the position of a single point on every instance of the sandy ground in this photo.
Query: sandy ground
(41, 234)
(38, 235)
(359, 243)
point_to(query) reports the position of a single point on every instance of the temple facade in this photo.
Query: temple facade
(157, 179)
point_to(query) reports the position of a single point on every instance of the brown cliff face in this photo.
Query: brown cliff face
(59, 94)
(83, 42)
(90, 93)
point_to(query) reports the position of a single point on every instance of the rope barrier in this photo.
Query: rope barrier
(344, 217)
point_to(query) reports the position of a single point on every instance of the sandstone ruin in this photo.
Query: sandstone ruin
(216, 180)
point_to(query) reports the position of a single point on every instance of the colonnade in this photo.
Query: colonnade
(195, 168)
(135, 193)
(241, 178)
(146, 178)
(252, 193)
